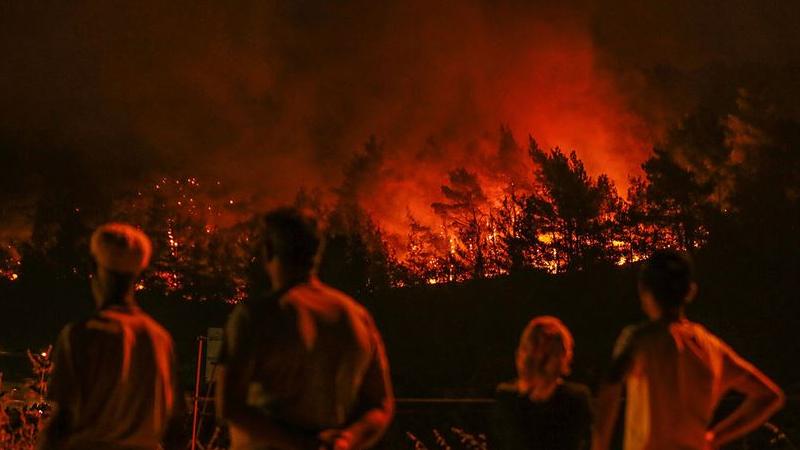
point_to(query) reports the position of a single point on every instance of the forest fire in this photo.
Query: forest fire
(448, 187)
(442, 192)
(476, 168)
(516, 207)
(554, 218)
(523, 208)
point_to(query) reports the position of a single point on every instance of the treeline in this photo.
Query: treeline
(717, 180)
(724, 182)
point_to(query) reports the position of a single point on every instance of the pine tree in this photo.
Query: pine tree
(466, 221)
(570, 212)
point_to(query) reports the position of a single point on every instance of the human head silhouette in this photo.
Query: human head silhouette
(291, 244)
(120, 253)
(666, 284)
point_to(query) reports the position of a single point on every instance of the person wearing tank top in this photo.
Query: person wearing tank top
(676, 372)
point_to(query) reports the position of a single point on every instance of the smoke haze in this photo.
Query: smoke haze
(272, 96)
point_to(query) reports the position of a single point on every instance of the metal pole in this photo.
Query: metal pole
(200, 341)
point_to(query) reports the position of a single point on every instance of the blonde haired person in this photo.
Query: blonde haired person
(540, 410)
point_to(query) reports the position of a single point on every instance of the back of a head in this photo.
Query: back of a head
(545, 349)
(292, 236)
(123, 252)
(668, 275)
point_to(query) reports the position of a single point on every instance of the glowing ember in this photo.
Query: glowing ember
(169, 279)
(10, 262)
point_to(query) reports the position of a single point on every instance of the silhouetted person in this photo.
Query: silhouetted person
(676, 372)
(539, 410)
(113, 374)
(304, 366)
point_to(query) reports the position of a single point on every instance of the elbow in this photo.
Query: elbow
(382, 418)
(382, 411)
(371, 426)
(778, 399)
(772, 399)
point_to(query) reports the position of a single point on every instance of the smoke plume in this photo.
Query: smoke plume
(272, 96)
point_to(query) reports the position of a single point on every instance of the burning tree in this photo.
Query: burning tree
(677, 203)
(714, 174)
(516, 237)
(193, 259)
(10, 261)
(561, 219)
(356, 256)
(571, 214)
(467, 225)
(424, 260)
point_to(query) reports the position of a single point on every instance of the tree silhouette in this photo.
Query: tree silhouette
(517, 238)
(637, 231)
(765, 197)
(424, 259)
(356, 257)
(678, 205)
(572, 213)
(466, 222)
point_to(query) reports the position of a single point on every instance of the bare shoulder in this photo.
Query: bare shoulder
(343, 301)
(703, 338)
(702, 332)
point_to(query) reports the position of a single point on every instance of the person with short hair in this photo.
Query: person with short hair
(676, 372)
(539, 410)
(304, 366)
(113, 379)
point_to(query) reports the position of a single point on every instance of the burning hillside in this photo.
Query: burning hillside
(246, 105)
